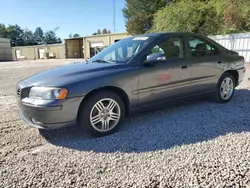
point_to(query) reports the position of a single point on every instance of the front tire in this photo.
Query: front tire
(225, 88)
(101, 113)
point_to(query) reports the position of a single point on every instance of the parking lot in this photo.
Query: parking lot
(193, 144)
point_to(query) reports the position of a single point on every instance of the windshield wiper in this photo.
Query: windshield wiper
(101, 61)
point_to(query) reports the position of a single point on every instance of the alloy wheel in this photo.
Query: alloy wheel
(226, 88)
(105, 115)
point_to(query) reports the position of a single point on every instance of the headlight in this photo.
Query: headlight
(47, 93)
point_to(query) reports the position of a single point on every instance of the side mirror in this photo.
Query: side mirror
(155, 57)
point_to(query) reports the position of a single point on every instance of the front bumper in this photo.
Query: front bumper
(241, 73)
(53, 116)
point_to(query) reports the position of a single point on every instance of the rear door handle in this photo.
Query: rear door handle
(184, 67)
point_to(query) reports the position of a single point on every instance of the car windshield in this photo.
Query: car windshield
(121, 51)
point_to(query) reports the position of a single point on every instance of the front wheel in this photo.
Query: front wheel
(101, 114)
(225, 88)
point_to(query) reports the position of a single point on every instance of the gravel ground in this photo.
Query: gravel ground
(195, 144)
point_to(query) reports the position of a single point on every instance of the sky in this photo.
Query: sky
(84, 17)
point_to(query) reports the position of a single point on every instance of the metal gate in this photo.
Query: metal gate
(239, 42)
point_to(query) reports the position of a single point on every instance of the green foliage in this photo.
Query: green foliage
(28, 38)
(207, 17)
(59, 40)
(24, 37)
(50, 37)
(104, 31)
(3, 32)
(15, 33)
(38, 35)
(73, 36)
(236, 16)
(76, 35)
(139, 14)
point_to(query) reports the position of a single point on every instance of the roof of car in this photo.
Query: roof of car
(164, 34)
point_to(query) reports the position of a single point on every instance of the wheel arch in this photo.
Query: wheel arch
(235, 74)
(117, 90)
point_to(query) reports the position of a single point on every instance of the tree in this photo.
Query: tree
(15, 33)
(139, 14)
(206, 17)
(99, 32)
(3, 32)
(20, 37)
(28, 38)
(104, 31)
(50, 37)
(109, 31)
(236, 16)
(59, 40)
(70, 35)
(38, 35)
(76, 35)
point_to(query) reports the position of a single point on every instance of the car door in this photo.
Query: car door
(205, 59)
(164, 72)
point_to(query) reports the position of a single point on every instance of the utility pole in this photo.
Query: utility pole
(114, 17)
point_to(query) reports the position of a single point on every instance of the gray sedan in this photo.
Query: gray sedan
(132, 74)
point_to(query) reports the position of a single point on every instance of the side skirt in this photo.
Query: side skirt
(160, 105)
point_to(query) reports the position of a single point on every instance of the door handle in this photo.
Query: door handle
(184, 66)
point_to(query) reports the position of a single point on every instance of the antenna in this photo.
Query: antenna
(114, 16)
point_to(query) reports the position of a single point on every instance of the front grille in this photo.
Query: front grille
(22, 92)
(18, 93)
(25, 92)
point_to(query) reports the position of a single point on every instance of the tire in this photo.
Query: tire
(104, 122)
(225, 97)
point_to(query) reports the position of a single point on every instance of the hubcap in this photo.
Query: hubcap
(226, 88)
(105, 115)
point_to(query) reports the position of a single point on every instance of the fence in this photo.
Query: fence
(239, 42)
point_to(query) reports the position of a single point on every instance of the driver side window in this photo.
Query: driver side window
(169, 48)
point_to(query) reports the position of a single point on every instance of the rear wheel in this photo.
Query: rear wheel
(225, 88)
(101, 114)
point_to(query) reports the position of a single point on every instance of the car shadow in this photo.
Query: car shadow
(183, 123)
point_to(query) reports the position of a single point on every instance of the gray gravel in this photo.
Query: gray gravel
(194, 144)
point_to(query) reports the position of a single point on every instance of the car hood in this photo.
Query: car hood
(63, 75)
